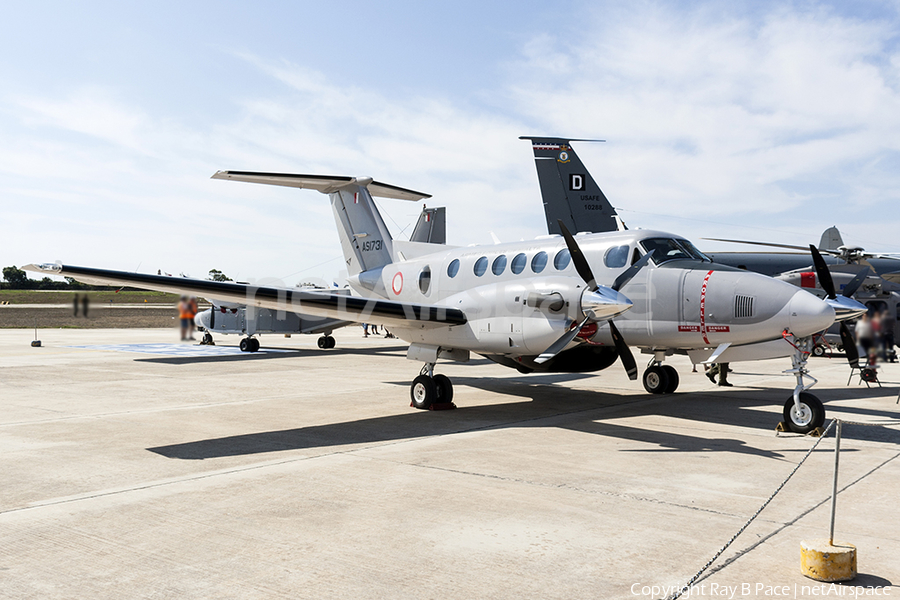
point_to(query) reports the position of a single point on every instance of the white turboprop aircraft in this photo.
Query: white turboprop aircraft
(533, 306)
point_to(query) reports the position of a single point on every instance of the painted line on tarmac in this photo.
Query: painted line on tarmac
(175, 349)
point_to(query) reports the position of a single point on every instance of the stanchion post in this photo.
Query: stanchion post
(834, 486)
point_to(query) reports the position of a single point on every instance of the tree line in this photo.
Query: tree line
(17, 279)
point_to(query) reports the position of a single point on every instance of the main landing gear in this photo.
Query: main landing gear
(803, 412)
(249, 344)
(660, 378)
(326, 342)
(430, 391)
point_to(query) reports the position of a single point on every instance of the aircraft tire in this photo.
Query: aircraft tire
(444, 388)
(245, 345)
(254, 344)
(673, 378)
(812, 413)
(656, 380)
(321, 342)
(329, 342)
(207, 339)
(423, 392)
(819, 350)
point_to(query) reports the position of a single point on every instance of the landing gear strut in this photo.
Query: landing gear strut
(326, 342)
(430, 391)
(660, 378)
(249, 344)
(803, 412)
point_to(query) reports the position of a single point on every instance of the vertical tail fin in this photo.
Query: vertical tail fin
(569, 192)
(831, 239)
(365, 239)
(431, 227)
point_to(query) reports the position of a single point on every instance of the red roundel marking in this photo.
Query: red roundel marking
(397, 283)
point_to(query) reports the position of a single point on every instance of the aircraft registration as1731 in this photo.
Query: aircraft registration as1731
(558, 304)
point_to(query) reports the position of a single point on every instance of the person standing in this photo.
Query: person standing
(184, 313)
(75, 305)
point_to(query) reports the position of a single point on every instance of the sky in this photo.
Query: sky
(766, 121)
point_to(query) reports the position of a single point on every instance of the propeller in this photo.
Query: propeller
(598, 303)
(844, 306)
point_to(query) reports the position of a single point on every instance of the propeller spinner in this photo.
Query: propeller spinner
(598, 303)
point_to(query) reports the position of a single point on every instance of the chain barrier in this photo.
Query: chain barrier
(693, 579)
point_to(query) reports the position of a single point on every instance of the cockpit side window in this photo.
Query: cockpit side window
(692, 250)
(665, 249)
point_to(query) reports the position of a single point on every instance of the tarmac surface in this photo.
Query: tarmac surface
(137, 467)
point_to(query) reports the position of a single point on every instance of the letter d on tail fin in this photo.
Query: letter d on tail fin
(569, 192)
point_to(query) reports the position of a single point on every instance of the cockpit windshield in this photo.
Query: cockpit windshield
(666, 249)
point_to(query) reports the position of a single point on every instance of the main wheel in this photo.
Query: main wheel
(423, 392)
(810, 415)
(254, 344)
(321, 342)
(656, 380)
(329, 342)
(444, 388)
(673, 378)
(245, 345)
(819, 350)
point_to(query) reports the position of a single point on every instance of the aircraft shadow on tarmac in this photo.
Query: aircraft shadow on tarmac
(546, 404)
(277, 354)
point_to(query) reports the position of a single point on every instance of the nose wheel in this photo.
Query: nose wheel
(804, 415)
(431, 392)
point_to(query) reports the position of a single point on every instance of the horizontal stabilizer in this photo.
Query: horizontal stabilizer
(323, 183)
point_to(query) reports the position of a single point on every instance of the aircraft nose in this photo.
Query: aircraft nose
(809, 314)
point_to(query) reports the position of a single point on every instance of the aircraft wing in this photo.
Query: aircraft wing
(323, 304)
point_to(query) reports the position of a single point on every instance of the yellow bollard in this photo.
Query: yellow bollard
(824, 561)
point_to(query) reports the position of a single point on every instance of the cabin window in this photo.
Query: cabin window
(425, 279)
(539, 262)
(481, 266)
(616, 257)
(499, 265)
(562, 259)
(518, 263)
(453, 268)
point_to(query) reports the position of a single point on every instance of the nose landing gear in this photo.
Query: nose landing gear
(803, 412)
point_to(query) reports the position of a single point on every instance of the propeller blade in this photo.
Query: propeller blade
(849, 345)
(624, 352)
(823, 273)
(626, 275)
(558, 346)
(854, 284)
(581, 263)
